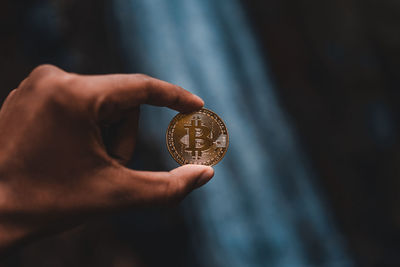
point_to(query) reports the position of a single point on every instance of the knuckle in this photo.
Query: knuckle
(64, 92)
(142, 76)
(43, 69)
(11, 93)
(45, 77)
(55, 84)
(145, 80)
(59, 89)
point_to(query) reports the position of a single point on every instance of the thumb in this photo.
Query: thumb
(142, 188)
(181, 181)
(192, 176)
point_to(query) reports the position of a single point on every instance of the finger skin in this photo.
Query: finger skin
(132, 187)
(131, 90)
(55, 165)
(116, 93)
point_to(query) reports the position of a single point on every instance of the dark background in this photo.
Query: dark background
(336, 66)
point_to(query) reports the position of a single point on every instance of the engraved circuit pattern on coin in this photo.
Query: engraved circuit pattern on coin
(200, 137)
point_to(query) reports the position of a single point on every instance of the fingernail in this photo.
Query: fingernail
(205, 176)
(201, 100)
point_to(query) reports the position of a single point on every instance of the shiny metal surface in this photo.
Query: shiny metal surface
(200, 137)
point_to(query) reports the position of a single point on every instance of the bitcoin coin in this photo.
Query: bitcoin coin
(200, 137)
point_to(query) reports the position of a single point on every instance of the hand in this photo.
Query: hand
(56, 170)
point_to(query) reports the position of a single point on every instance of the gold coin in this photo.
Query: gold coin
(200, 138)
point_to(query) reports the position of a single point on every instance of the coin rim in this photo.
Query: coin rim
(175, 118)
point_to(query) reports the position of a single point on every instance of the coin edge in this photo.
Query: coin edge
(182, 114)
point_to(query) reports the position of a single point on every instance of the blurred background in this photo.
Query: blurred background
(309, 91)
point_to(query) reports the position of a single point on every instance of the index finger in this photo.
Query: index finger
(130, 90)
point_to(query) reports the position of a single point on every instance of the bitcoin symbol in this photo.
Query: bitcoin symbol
(198, 136)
